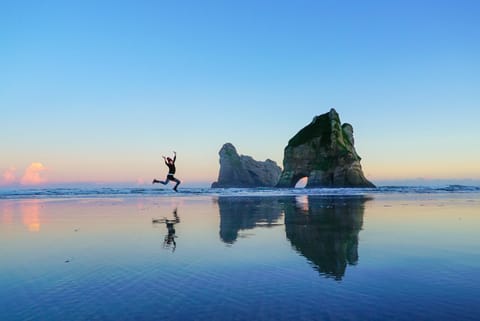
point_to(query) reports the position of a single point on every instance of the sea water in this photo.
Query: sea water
(392, 253)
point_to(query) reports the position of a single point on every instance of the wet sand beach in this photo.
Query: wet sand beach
(383, 256)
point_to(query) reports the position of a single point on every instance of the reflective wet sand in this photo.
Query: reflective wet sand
(302, 257)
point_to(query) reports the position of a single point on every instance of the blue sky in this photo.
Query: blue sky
(100, 91)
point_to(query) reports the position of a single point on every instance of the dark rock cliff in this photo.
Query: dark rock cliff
(324, 152)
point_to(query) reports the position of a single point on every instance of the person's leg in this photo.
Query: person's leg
(165, 182)
(176, 180)
(161, 182)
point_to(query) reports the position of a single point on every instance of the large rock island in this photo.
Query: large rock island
(324, 152)
(243, 171)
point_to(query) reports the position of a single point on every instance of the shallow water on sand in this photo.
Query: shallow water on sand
(358, 257)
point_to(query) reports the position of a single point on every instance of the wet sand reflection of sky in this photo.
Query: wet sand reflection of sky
(31, 215)
(354, 253)
(27, 211)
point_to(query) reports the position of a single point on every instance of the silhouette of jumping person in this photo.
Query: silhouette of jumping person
(171, 171)
(170, 237)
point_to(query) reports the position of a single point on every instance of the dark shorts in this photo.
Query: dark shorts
(170, 177)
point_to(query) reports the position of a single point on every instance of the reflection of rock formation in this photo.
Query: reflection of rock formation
(322, 229)
(325, 231)
(242, 213)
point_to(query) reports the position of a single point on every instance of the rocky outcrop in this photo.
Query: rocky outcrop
(324, 152)
(243, 171)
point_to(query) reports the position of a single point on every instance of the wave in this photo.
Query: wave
(43, 193)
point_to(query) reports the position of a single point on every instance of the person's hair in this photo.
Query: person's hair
(169, 159)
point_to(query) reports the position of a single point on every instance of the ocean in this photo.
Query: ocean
(390, 253)
(92, 192)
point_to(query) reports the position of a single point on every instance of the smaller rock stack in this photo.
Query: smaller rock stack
(243, 171)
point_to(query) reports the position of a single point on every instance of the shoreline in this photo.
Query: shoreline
(81, 193)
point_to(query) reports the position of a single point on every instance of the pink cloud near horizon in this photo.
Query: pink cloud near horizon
(9, 176)
(33, 174)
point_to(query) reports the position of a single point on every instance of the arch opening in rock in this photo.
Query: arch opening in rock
(301, 182)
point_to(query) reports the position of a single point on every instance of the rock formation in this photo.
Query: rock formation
(324, 152)
(243, 171)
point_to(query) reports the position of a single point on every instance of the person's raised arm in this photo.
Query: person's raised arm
(165, 160)
(174, 156)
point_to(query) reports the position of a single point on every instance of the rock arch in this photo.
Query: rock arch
(324, 152)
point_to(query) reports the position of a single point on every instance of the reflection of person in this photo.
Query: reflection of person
(171, 171)
(170, 224)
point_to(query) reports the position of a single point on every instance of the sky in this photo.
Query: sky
(98, 91)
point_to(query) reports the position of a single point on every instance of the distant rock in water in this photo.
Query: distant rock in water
(324, 152)
(243, 171)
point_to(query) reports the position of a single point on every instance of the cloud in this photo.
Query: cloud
(9, 176)
(33, 174)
